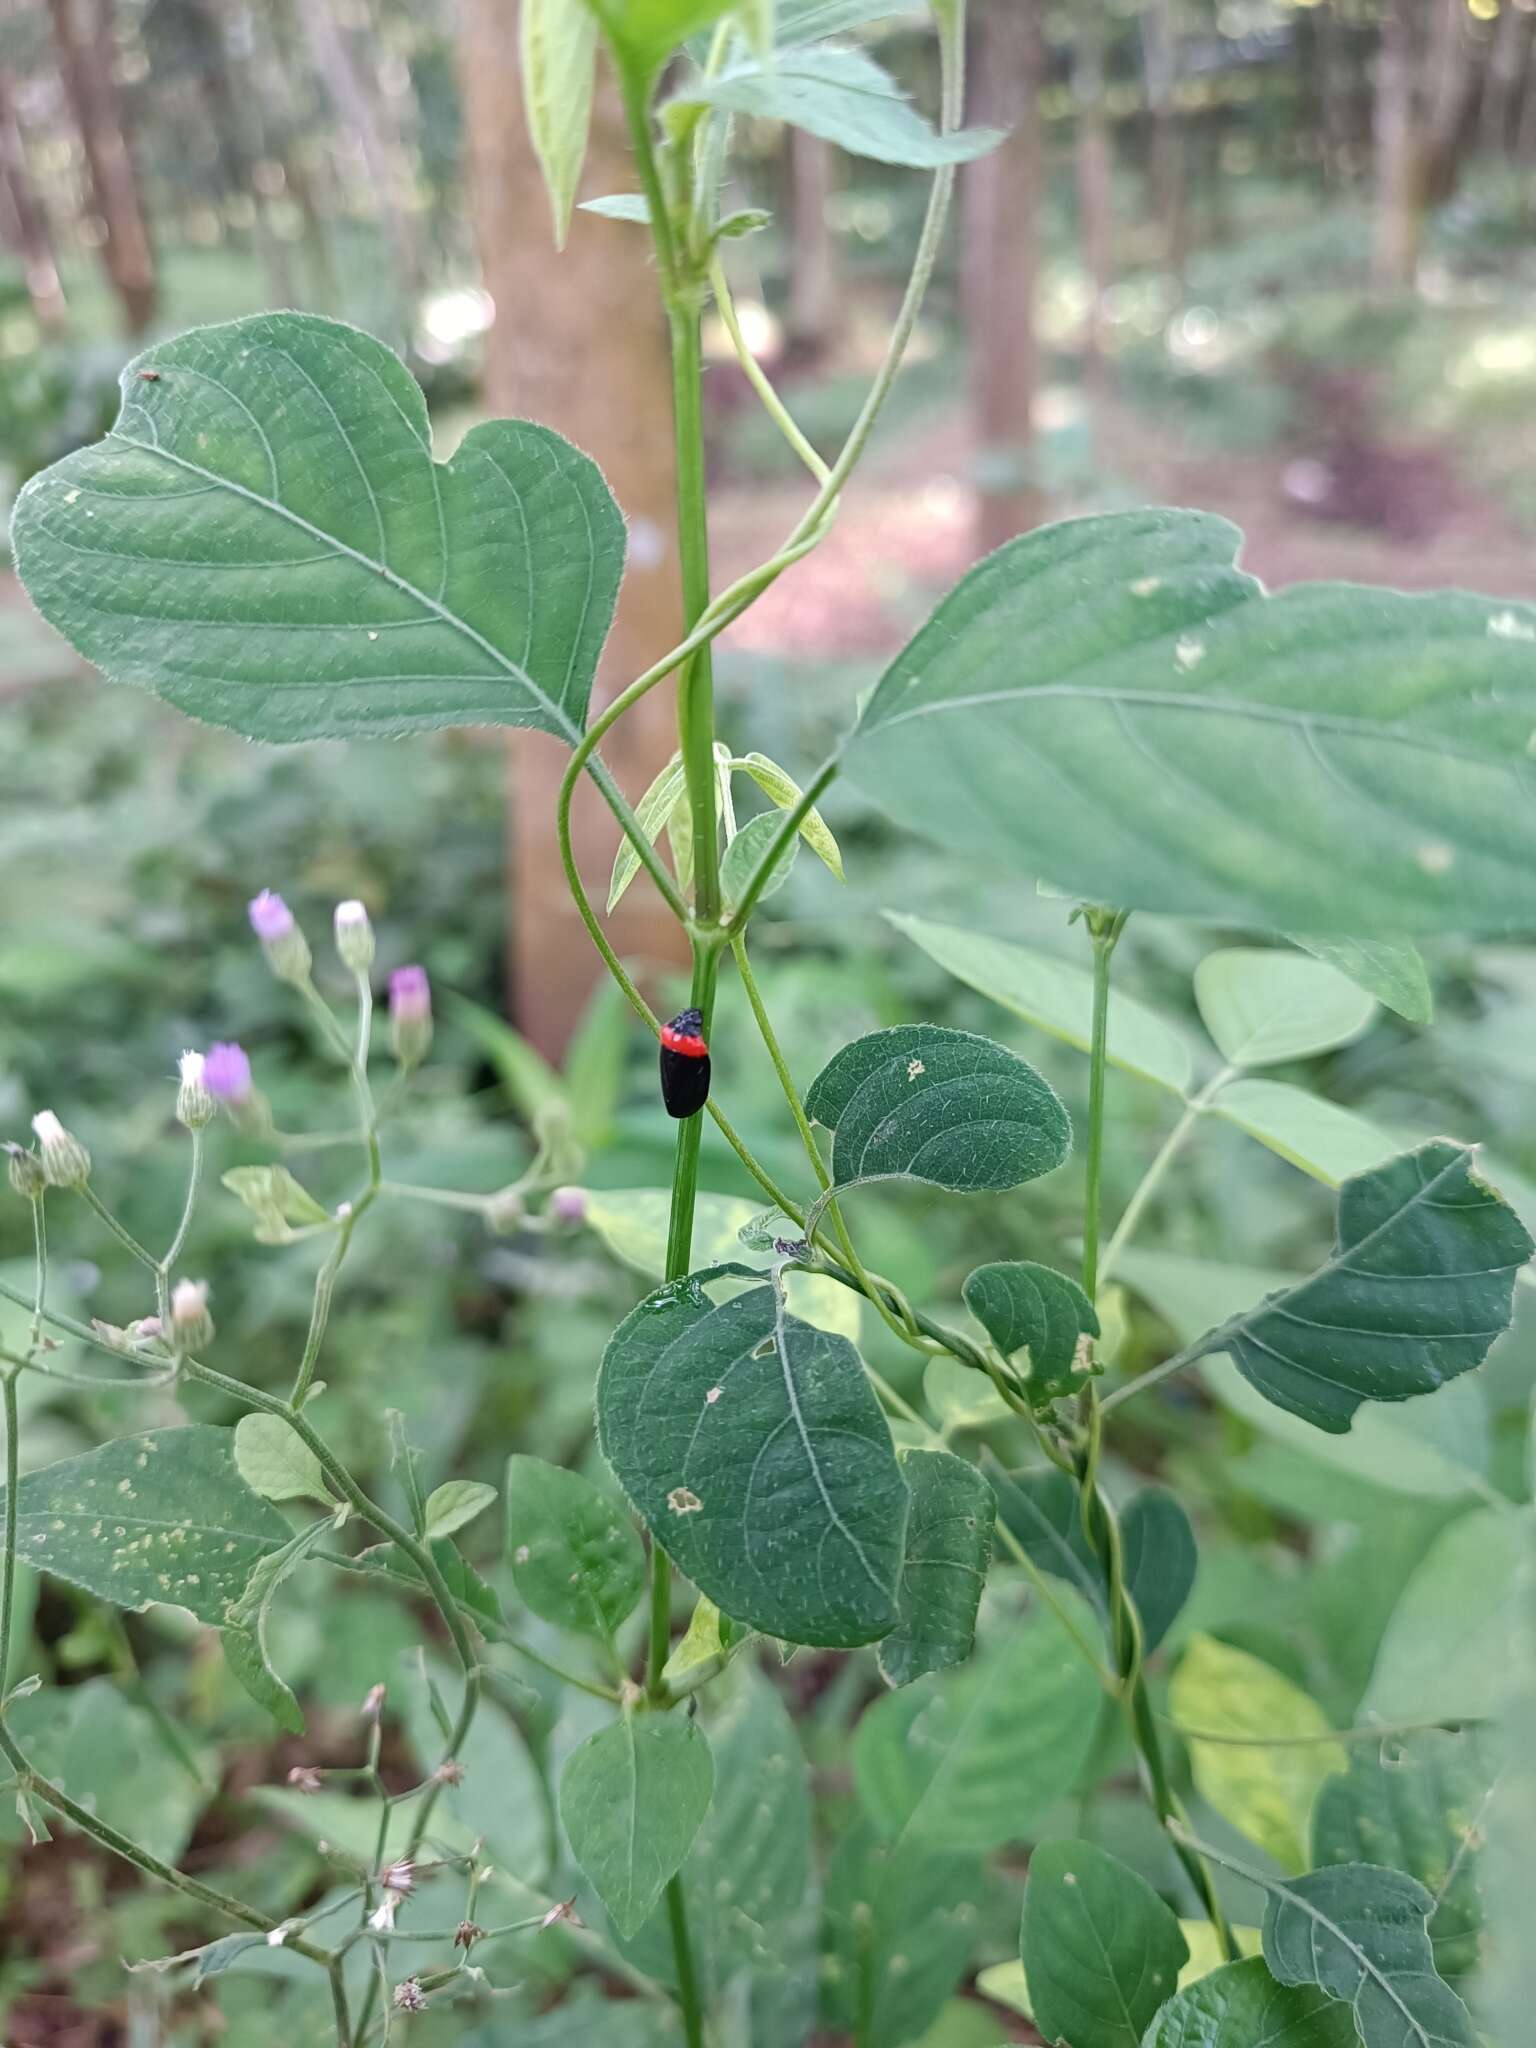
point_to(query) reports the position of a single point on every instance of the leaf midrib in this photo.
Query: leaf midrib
(1367, 1967)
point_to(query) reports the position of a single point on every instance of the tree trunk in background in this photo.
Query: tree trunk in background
(580, 343)
(1002, 196)
(28, 221)
(82, 34)
(1431, 68)
(1508, 67)
(233, 102)
(815, 311)
(1095, 192)
(1165, 160)
(333, 58)
(1399, 199)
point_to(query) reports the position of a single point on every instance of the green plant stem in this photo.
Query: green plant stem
(120, 1231)
(695, 689)
(183, 1228)
(1105, 928)
(40, 1275)
(755, 375)
(1152, 1179)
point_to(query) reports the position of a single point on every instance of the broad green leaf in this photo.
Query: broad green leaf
(1325, 1140)
(969, 1759)
(949, 1545)
(1443, 1656)
(559, 57)
(264, 540)
(1110, 704)
(1265, 1007)
(112, 1755)
(1420, 1284)
(960, 1397)
(1392, 970)
(275, 1461)
(753, 1448)
(843, 96)
(1056, 995)
(1024, 1307)
(749, 847)
(899, 1929)
(783, 790)
(1419, 1803)
(938, 1105)
(575, 1557)
(747, 1874)
(1266, 1793)
(644, 33)
(1358, 1933)
(653, 813)
(163, 1517)
(1100, 1949)
(455, 1504)
(632, 1798)
(1158, 1545)
(1241, 2006)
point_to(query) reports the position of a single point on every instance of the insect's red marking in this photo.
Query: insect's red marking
(689, 1043)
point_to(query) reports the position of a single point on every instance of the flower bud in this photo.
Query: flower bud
(568, 1205)
(195, 1105)
(191, 1324)
(284, 944)
(354, 937)
(65, 1161)
(226, 1075)
(24, 1171)
(410, 1014)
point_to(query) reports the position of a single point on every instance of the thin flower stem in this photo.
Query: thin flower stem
(183, 1228)
(40, 1274)
(120, 1231)
(320, 1312)
(442, 1198)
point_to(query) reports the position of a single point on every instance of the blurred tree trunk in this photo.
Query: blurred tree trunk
(1095, 188)
(1508, 69)
(83, 41)
(1165, 157)
(28, 220)
(337, 66)
(579, 342)
(233, 101)
(815, 312)
(1002, 198)
(1399, 204)
(1430, 72)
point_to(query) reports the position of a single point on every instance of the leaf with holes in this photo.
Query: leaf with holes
(632, 1798)
(1034, 1309)
(160, 1518)
(1241, 2006)
(575, 1557)
(753, 1448)
(927, 1103)
(1358, 1932)
(949, 1546)
(1420, 1284)
(1100, 1949)
(1112, 705)
(264, 540)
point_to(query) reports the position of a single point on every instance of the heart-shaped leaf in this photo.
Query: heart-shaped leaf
(753, 1448)
(1241, 2005)
(925, 1102)
(264, 540)
(949, 1546)
(1026, 1307)
(631, 1800)
(1112, 705)
(1420, 1284)
(1100, 1949)
(1358, 1932)
(575, 1557)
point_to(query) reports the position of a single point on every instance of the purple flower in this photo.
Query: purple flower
(568, 1205)
(270, 917)
(410, 995)
(227, 1074)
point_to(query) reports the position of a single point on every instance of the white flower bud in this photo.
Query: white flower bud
(65, 1161)
(195, 1106)
(354, 937)
(191, 1324)
(24, 1171)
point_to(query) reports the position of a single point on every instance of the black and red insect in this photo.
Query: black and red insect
(684, 1064)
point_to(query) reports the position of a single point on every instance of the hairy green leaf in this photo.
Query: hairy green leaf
(938, 1105)
(1100, 1949)
(632, 1798)
(1056, 995)
(559, 57)
(949, 1546)
(264, 540)
(843, 96)
(575, 1557)
(1392, 970)
(1241, 2006)
(1358, 1933)
(968, 1759)
(899, 1929)
(162, 1517)
(755, 1451)
(1265, 1007)
(1027, 1307)
(1420, 1284)
(1088, 705)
